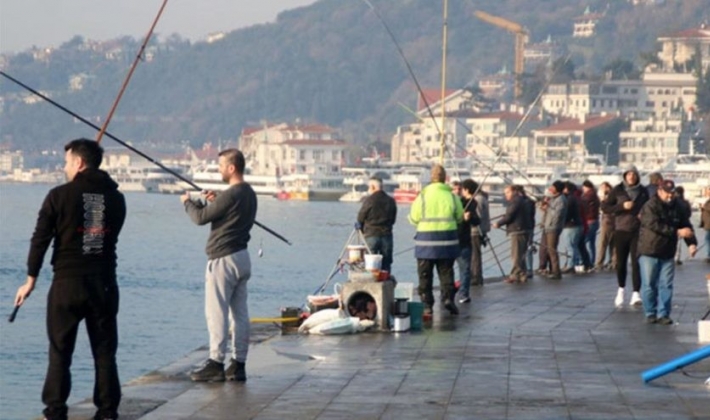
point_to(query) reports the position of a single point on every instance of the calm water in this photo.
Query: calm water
(160, 271)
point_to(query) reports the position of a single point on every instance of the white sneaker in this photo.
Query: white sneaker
(619, 297)
(635, 299)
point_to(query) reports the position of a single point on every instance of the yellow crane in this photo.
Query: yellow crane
(521, 38)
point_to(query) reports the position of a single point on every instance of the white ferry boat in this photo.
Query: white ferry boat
(312, 187)
(142, 178)
(207, 177)
(357, 179)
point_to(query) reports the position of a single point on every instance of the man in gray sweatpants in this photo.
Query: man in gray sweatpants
(231, 214)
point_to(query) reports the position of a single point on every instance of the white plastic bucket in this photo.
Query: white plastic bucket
(373, 262)
(355, 253)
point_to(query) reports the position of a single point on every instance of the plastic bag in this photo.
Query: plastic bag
(320, 317)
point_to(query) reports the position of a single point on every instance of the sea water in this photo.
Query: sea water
(160, 273)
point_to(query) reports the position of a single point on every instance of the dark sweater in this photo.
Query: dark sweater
(84, 218)
(232, 215)
(377, 214)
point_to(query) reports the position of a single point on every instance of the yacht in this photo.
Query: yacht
(142, 178)
(312, 187)
(357, 179)
(207, 177)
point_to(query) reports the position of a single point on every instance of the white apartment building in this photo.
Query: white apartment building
(492, 133)
(283, 149)
(658, 94)
(421, 142)
(679, 47)
(559, 143)
(650, 143)
(9, 161)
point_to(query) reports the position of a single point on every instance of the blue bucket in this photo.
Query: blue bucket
(416, 313)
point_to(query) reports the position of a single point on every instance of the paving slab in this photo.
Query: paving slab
(548, 349)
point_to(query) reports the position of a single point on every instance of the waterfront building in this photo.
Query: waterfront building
(650, 144)
(562, 142)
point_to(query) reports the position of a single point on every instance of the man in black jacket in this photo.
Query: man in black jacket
(663, 221)
(625, 202)
(83, 217)
(376, 218)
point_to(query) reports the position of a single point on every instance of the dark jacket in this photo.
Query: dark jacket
(591, 204)
(528, 214)
(377, 214)
(464, 229)
(573, 217)
(84, 218)
(608, 218)
(660, 222)
(625, 220)
(514, 216)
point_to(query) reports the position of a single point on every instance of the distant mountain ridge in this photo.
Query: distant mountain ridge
(331, 62)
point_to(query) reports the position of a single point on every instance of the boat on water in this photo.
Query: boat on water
(317, 186)
(357, 179)
(144, 178)
(207, 177)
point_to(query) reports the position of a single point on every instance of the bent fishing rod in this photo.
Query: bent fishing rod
(139, 56)
(128, 146)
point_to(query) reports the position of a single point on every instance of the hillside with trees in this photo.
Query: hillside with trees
(331, 62)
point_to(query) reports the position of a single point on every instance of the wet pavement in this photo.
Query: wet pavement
(548, 349)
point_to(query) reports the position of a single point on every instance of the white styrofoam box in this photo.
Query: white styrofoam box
(704, 331)
(406, 291)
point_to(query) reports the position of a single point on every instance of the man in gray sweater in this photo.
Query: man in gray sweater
(552, 224)
(231, 214)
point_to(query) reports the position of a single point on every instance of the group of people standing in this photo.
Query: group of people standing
(637, 224)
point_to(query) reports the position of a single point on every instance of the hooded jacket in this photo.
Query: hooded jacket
(626, 220)
(377, 214)
(436, 212)
(83, 217)
(660, 222)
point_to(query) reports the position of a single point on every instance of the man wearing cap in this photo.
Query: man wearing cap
(625, 202)
(662, 223)
(553, 221)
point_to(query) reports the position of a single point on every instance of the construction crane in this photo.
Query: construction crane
(521, 38)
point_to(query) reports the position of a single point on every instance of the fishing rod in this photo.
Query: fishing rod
(128, 146)
(139, 57)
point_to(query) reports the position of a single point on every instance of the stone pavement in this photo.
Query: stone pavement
(544, 350)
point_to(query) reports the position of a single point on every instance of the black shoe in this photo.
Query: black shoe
(236, 371)
(212, 371)
(678, 262)
(554, 276)
(665, 321)
(451, 306)
(651, 319)
(465, 299)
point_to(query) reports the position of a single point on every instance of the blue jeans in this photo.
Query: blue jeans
(590, 240)
(464, 264)
(572, 236)
(382, 245)
(656, 285)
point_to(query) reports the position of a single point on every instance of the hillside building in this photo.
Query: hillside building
(679, 48)
(585, 25)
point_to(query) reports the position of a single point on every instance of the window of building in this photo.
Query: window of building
(301, 155)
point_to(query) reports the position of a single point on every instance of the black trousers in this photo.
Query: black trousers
(625, 244)
(94, 299)
(445, 270)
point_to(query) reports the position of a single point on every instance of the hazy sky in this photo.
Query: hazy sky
(24, 23)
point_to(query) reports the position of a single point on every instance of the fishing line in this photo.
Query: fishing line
(126, 145)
